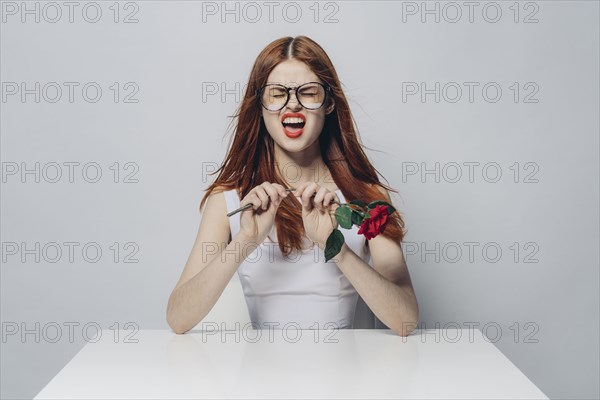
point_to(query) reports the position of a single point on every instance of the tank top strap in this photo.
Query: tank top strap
(232, 199)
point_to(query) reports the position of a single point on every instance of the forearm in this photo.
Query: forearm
(393, 305)
(193, 300)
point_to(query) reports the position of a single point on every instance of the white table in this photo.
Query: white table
(291, 364)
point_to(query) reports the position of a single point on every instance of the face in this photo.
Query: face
(295, 128)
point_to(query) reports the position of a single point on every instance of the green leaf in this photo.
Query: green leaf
(357, 218)
(344, 217)
(359, 203)
(373, 204)
(334, 244)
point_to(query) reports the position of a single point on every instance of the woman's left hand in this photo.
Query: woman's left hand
(318, 211)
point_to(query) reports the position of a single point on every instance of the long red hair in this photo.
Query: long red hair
(250, 159)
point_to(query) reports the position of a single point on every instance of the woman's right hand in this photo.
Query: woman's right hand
(257, 222)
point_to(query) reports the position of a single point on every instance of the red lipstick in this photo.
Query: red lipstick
(293, 130)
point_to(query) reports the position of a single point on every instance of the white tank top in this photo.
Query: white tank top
(303, 291)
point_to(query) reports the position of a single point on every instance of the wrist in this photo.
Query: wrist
(340, 257)
(245, 239)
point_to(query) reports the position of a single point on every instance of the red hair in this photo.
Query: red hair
(250, 159)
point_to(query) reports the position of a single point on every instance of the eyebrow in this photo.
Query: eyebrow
(299, 84)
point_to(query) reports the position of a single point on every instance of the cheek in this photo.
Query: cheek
(317, 123)
(272, 123)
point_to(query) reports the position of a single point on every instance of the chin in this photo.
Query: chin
(292, 147)
(304, 140)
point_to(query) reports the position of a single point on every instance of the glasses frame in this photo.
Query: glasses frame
(259, 92)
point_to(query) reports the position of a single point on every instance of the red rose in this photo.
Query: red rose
(373, 226)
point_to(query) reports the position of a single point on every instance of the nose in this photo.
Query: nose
(293, 102)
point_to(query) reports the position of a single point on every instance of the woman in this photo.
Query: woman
(294, 130)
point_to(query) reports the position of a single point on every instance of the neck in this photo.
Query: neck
(306, 166)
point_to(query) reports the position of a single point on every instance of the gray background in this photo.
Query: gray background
(174, 137)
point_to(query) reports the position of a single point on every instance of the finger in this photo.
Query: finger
(320, 197)
(300, 188)
(329, 199)
(251, 199)
(280, 190)
(310, 189)
(272, 193)
(263, 196)
(336, 198)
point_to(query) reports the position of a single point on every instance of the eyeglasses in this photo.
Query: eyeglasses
(310, 95)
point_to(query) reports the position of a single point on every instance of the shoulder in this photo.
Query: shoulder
(214, 193)
(215, 202)
(225, 197)
(214, 212)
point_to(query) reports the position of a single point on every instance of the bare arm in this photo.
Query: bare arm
(209, 268)
(386, 288)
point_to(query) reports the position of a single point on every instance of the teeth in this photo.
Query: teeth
(290, 120)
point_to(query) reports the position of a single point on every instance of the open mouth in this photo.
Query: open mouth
(293, 124)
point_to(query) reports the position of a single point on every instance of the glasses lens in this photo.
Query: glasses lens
(311, 95)
(274, 97)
